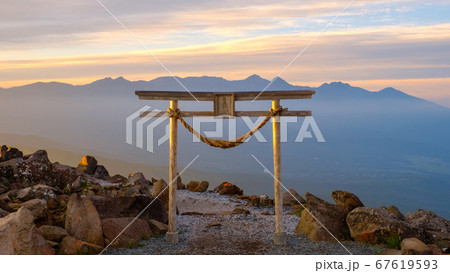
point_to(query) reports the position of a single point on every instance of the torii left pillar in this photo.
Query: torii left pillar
(172, 234)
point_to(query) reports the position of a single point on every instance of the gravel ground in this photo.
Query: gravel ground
(235, 234)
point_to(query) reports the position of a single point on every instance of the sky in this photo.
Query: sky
(403, 44)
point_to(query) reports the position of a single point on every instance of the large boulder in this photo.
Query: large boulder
(64, 175)
(130, 207)
(27, 171)
(87, 165)
(377, 226)
(83, 221)
(130, 232)
(347, 200)
(414, 246)
(228, 189)
(19, 235)
(435, 228)
(8, 153)
(73, 246)
(53, 233)
(36, 169)
(100, 172)
(291, 198)
(322, 218)
(196, 186)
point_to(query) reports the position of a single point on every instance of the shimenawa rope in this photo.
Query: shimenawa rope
(220, 143)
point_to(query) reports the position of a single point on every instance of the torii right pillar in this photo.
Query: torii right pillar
(280, 236)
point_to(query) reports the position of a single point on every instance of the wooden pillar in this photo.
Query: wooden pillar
(280, 236)
(172, 234)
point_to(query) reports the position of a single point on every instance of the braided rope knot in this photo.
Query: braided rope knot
(174, 113)
(275, 112)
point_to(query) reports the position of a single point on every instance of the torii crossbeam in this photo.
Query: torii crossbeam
(224, 106)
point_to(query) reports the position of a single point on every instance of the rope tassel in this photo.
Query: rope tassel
(220, 143)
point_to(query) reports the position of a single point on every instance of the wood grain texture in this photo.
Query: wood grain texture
(277, 169)
(239, 96)
(173, 169)
(187, 114)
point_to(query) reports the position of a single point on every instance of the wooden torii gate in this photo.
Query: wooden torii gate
(224, 106)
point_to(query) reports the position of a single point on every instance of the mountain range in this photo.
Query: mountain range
(387, 147)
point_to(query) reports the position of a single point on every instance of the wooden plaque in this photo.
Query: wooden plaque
(224, 104)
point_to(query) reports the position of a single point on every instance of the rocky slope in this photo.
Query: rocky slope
(50, 208)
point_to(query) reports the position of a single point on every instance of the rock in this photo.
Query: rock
(44, 247)
(83, 221)
(161, 191)
(377, 226)
(19, 235)
(253, 200)
(195, 186)
(36, 169)
(240, 211)
(87, 165)
(414, 246)
(180, 185)
(214, 224)
(138, 230)
(314, 200)
(331, 216)
(291, 198)
(130, 207)
(157, 227)
(119, 179)
(347, 200)
(36, 192)
(436, 229)
(37, 207)
(264, 200)
(72, 246)
(396, 212)
(4, 206)
(53, 233)
(101, 172)
(435, 249)
(136, 179)
(64, 175)
(267, 213)
(228, 188)
(8, 153)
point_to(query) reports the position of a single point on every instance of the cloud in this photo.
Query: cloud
(357, 54)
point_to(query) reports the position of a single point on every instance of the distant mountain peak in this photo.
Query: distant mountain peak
(254, 77)
(336, 84)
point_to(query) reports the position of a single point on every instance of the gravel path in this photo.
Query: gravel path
(234, 234)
